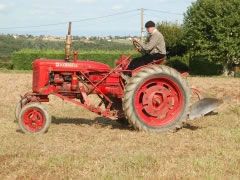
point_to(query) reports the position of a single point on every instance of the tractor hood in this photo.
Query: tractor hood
(80, 65)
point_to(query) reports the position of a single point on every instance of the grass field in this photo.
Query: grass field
(80, 144)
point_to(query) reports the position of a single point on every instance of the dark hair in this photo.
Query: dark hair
(149, 24)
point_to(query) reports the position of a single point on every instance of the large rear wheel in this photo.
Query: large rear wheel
(157, 99)
(34, 119)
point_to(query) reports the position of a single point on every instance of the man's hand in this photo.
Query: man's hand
(136, 39)
(138, 45)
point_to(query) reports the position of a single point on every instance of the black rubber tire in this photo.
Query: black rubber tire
(18, 108)
(137, 80)
(43, 111)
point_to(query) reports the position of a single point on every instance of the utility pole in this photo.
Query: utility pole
(142, 24)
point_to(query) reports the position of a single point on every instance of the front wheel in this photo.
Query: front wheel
(34, 119)
(156, 99)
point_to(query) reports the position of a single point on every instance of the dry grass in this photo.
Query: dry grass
(82, 145)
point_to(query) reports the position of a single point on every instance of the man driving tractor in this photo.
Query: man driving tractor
(155, 99)
(153, 49)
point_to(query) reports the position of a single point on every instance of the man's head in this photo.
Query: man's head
(150, 26)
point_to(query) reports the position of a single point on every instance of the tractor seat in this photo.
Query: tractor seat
(160, 61)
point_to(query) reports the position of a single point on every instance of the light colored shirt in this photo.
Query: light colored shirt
(155, 44)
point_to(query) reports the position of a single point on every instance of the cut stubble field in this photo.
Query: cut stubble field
(80, 144)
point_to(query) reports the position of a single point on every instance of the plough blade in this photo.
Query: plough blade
(203, 107)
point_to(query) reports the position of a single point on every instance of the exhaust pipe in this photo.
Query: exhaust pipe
(68, 43)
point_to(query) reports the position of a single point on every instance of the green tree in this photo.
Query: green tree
(212, 29)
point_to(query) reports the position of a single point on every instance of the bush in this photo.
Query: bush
(200, 65)
(22, 60)
(180, 63)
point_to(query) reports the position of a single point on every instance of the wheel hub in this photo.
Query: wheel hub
(156, 102)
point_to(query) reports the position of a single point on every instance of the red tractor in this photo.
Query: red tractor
(155, 98)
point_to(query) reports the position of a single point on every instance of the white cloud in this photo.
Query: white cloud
(3, 7)
(86, 1)
(117, 7)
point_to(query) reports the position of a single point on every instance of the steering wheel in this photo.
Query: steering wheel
(137, 46)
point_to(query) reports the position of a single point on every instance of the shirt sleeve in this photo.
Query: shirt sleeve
(153, 42)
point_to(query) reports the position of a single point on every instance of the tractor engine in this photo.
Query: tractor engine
(64, 81)
(72, 78)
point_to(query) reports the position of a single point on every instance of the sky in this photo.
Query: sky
(28, 13)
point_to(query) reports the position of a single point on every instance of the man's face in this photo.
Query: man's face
(150, 29)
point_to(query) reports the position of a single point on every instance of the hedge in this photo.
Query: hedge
(200, 65)
(22, 60)
(5, 63)
(180, 63)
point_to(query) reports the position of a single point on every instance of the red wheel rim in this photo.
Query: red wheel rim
(159, 101)
(34, 119)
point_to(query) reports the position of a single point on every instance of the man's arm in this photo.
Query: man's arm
(153, 42)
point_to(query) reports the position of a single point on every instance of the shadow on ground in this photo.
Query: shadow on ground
(105, 122)
(191, 127)
(99, 121)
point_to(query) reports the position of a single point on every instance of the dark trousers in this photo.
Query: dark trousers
(144, 60)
